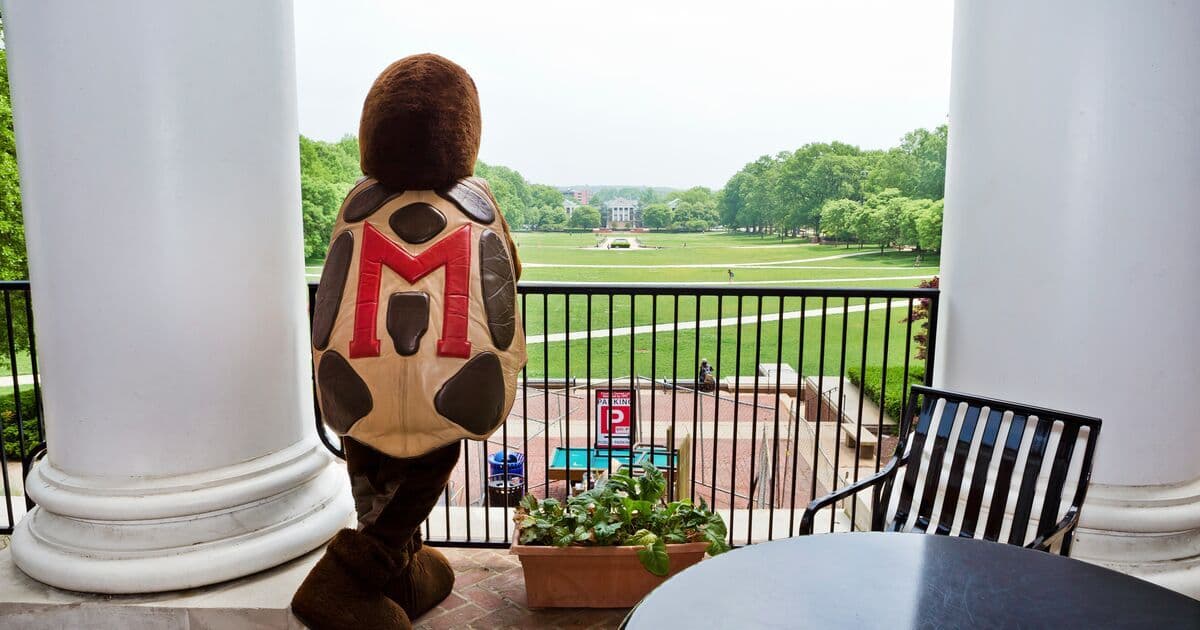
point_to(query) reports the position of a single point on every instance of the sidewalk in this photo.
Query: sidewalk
(489, 592)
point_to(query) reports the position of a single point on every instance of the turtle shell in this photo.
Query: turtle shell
(417, 341)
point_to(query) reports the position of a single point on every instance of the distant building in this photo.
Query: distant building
(581, 195)
(622, 212)
(673, 203)
(569, 205)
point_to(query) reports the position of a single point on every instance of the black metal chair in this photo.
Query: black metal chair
(992, 436)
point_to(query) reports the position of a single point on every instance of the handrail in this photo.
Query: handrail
(662, 354)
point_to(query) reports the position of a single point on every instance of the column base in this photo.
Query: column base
(146, 535)
(1149, 532)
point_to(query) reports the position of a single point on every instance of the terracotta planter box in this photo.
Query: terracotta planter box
(594, 577)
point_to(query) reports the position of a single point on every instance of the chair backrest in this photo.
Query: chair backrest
(981, 468)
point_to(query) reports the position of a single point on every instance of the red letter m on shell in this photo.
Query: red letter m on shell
(452, 252)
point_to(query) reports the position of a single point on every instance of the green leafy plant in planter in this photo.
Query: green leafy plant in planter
(622, 510)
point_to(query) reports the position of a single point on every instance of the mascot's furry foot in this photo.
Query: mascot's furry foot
(424, 583)
(345, 589)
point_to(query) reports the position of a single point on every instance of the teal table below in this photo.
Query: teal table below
(578, 459)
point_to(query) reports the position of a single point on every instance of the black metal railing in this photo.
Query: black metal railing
(755, 447)
(752, 447)
(22, 430)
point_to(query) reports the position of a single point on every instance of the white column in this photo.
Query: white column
(157, 144)
(1072, 250)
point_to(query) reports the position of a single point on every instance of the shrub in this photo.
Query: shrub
(622, 510)
(8, 419)
(693, 225)
(895, 385)
(920, 316)
(619, 243)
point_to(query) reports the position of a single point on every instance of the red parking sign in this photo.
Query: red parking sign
(614, 418)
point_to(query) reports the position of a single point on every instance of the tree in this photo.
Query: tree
(892, 168)
(585, 217)
(657, 215)
(865, 223)
(910, 230)
(814, 174)
(692, 214)
(697, 195)
(928, 152)
(319, 204)
(731, 201)
(13, 261)
(533, 218)
(786, 191)
(543, 195)
(887, 210)
(761, 209)
(837, 216)
(553, 217)
(514, 216)
(929, 226)
(513, 194)
(328, 170)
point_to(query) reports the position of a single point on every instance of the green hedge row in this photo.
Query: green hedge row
(8, 419)
(895, 385)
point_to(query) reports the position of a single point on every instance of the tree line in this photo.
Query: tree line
(841, 192)
(329, 169)
(888, 197)
(540, 207)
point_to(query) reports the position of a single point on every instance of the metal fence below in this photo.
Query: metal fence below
(749, 445)
(752, 443)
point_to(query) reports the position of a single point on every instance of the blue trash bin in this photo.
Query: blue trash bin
(514, 461)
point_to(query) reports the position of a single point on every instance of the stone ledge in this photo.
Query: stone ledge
(256, 601)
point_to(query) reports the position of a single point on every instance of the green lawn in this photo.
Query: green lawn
(852, 275)
(24, 365)
(701, 258)
(683, 358)
(705, 258)
(5, 390)
(714, 248)
(558, 316)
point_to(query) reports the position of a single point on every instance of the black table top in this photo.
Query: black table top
(877, 580)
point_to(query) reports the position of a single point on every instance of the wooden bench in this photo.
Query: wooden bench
(868, 440)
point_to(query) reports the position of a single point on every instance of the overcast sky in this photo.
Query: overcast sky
(651, 92)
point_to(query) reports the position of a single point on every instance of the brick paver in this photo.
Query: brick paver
(489, 592)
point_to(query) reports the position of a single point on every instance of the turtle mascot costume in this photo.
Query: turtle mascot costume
(416, 340)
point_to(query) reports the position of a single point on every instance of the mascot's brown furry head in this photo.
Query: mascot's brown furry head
(420, 125)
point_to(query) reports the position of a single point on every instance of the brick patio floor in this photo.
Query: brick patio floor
(489, 592)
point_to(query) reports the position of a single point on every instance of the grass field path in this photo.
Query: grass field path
(601, 333)
(798, 281)
(702, 265)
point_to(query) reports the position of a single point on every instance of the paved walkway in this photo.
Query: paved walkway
(607, 244)
(746, 320)
(489, 592)
(744, 283)
(768, 264)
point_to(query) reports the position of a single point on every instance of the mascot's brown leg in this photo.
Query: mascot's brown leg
(399, 494)
(344, 589)
(424, 583)
(380, 576)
